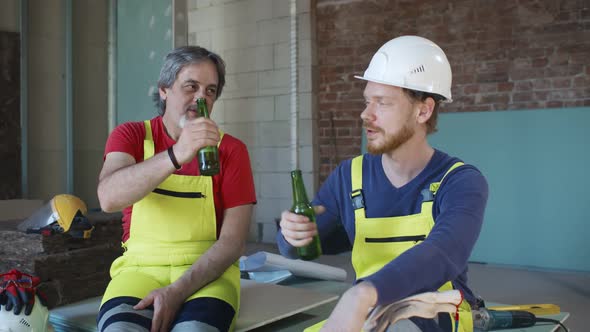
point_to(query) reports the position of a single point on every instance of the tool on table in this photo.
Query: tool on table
(537, 309)
(486, 319)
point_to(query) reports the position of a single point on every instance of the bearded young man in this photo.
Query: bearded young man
(411, 213)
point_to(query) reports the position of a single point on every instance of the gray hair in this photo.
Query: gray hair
(178, 59)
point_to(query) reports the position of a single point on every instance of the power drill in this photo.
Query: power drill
(487, 320)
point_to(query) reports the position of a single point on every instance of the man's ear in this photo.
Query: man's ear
(162, 92)
(425, 110)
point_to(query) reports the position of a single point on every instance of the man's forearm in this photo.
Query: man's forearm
(352, 309)
(208, 268)
(128, 185)
(226, 251)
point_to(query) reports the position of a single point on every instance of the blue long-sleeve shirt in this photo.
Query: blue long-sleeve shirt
(458, 211)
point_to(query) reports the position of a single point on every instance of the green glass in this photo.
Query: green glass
(301, 206)
(208, 157)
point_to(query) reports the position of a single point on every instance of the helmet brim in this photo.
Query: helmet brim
(406, 86)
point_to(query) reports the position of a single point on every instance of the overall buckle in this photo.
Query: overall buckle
(357, 198)
(427, 195)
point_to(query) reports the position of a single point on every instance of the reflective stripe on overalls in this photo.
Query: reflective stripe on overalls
(378, 241)
(171, 228)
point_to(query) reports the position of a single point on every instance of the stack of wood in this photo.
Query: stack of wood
(70, 269)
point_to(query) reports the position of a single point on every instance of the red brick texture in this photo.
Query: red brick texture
(505, 55)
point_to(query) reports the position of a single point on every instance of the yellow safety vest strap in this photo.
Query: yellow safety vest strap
(357, 173)
(148, 142)
(436, 185)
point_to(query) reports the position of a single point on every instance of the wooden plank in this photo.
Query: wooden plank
(260, 304)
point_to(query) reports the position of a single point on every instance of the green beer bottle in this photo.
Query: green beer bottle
(301, 206)
(208, 157)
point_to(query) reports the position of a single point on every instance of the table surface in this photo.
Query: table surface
(298, 322)
(301, 321)
(264, 303)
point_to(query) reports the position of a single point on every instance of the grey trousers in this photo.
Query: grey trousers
(404, 325)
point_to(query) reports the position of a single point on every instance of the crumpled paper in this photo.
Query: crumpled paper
(426, 305)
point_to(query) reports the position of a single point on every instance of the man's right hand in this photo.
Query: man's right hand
(297, 229)
(197, 133)
(166, 301)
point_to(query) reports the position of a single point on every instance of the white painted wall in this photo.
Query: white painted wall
(253, 37)
(46, 97)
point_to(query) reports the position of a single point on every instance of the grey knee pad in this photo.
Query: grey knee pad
(123, 325)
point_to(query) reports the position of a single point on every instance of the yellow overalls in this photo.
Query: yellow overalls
(376, 244)
(171, 228)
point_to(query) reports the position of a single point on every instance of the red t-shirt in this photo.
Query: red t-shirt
(233, 186)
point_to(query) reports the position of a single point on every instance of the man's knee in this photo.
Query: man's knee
(194, 326)
(204, 313)
(118, 314)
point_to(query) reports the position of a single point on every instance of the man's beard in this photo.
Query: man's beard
(182, 121)
(185, 117)
(392, 141)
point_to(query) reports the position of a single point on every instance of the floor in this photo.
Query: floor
(509, 285)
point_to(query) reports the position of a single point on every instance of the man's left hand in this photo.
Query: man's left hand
(352, 309)
(167, 301)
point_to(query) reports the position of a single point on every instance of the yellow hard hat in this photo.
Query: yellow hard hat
(65, 207)
(59, 214)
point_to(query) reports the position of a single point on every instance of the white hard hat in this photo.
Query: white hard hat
(414, 63)
(37, 321)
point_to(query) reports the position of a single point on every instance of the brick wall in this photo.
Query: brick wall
(504, 54)
(9, 115)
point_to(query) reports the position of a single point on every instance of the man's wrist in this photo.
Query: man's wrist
(181, 288)
(173, 158)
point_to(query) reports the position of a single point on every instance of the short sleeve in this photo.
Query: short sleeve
(127, 138)
(237, 182)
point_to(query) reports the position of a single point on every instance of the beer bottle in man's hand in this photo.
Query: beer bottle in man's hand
(301, 206)
(208, 156)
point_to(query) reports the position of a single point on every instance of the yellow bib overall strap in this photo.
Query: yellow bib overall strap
(378, 241)
(171, 228)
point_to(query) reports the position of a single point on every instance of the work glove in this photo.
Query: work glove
(426, 305)
(18, 290)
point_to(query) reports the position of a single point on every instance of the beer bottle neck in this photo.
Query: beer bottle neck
(202, 107)
(299, 193)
